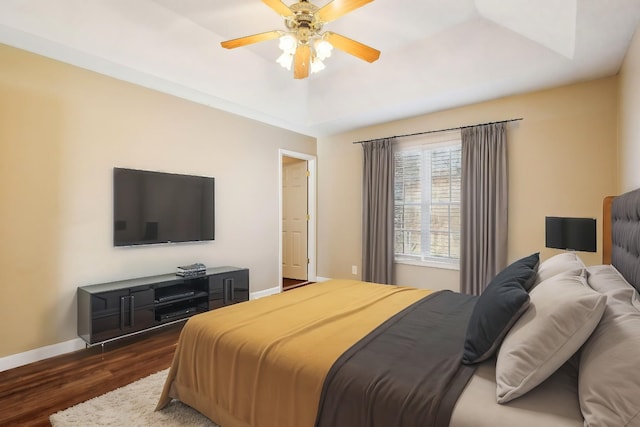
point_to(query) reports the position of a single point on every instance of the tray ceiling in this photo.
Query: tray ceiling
(435, 54)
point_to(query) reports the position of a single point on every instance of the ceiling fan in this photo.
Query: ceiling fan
(303, 43)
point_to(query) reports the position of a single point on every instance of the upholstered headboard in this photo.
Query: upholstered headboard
(625, 235)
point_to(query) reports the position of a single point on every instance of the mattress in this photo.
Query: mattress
(553, 403)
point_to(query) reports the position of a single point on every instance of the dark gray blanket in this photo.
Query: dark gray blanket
(405, 373)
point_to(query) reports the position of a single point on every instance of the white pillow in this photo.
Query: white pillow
(562, 313)
(609, 378)
(558, 264)
(607, 279)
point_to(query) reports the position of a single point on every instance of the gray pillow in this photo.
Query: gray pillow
(609, 377)
(562, 313)
(558, 264)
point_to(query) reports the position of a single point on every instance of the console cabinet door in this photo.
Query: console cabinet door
(122, 311)
(237, 285)
(216, 292)
(143, 308)
(228, 288)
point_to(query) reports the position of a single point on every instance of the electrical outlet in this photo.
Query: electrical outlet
(354, 269)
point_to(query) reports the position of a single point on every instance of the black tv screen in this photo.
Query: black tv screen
(578, 234)
(156, 207)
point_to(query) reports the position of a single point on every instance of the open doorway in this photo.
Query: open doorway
(296, 219)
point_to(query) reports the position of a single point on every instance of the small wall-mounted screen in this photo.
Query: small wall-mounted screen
(578, 234)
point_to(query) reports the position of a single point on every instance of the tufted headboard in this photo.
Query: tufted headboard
(624, 240)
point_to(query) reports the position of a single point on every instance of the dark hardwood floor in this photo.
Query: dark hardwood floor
(29, 394)
(288, 284)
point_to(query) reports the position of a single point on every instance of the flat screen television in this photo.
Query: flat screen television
(157, 207)
(578, 234)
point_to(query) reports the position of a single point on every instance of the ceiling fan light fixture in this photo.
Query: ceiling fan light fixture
(288, 43)
(304, 45)
(285, 60)
(317, 65)
(323, 48)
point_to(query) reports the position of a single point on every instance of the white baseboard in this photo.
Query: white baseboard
(35, 355)
(322, 279)
(264, 293)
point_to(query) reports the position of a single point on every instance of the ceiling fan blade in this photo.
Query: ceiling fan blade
(243, 41)
(279, 7)
(337, 8)
(301, 62)
(352, 47)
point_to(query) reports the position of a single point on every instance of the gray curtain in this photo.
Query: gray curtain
(483, 247)
(377, 211)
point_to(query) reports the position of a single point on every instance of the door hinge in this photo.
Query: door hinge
(308, 173)
(308, 217)
(308, 261)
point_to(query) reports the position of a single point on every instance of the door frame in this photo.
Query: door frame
(311, 210)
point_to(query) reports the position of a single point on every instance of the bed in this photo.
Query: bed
(548, 343)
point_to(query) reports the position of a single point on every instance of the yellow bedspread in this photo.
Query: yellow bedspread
(262, 363)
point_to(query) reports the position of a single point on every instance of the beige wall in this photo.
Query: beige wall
(62, 130)
(562, 161)
(629, 119)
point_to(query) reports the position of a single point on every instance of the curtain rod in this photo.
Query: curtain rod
(439, 130)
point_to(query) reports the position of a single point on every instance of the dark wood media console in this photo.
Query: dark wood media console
(112, 310)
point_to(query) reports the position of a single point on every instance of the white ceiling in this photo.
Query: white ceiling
(436, 54)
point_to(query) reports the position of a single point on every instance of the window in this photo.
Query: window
(427, 203)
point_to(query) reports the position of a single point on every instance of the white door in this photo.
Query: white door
(294, 218)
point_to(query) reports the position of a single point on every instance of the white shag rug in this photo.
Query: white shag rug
(131, 405)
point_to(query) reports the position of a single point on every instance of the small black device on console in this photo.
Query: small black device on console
(177, 295)
(178, 313)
